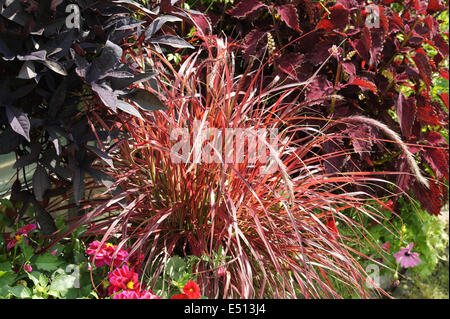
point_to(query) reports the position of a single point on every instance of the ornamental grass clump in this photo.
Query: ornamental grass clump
(274, 217)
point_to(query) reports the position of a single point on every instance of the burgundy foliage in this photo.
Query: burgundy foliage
(366, 61)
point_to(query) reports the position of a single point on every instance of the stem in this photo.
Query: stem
(336, 82)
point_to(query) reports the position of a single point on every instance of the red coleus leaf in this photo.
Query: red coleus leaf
(245, 7)
(438, 159)
(362, 137)
(444, 98)
(406, 112)
(202, 22)
(339, 16)
(364, 44)
(250, 43)
(325, 24)
(428, 115)
(435, 139)
(444, 73)
(430, 199)
(363, 84)
(434, 6)
(441, 44)
(423, 64)
(289, 63)
(288, 13)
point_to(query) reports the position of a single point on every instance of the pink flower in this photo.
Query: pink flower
(105, 254)
(406, 258)
(98, 259)
(19, 234)
(26, 229)
(129, 294)
(148, 295)
(109, 253)
(27, 267)
(123, 279)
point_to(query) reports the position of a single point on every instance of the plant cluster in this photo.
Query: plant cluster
(353, 89)
(382, 64)
(58, 81)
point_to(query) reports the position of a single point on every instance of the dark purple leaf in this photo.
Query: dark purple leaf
(128, 108)
(441, 44)
(41, 182)
(105, 157)
(158, 23)
(18, 121)
(108, 60)
(57, 99)
(9, 141)
(106, 94)
(55, 66)
(44, 220)
(78, 185)
(122, 83)
(146, 100)
(5, 51)
(34, 56)
(172, 41)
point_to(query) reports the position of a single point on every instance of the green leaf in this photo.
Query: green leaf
(20, 292)
(61, 285)
(6, 278)
(27, 251)
(175, 268)
(5, 266)
(47, 262)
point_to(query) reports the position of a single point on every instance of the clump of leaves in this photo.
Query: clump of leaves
(383, 66)
(279, 232)
(58, 80)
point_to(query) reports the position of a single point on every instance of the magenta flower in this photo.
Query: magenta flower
(130, 294)
(406, 258)
(123, 278)
(17, 238)
(105, 254)
(127, 294)
(27, 267)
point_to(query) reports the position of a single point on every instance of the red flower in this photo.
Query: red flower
(180, 296)
(123, 279)
(192, 290)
